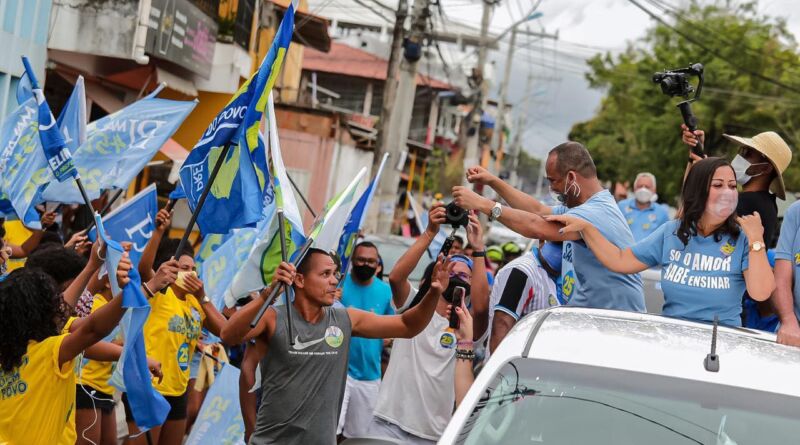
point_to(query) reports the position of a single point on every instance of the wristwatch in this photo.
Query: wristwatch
(757, 246)
(497, 210)
(205, 300)
(479, 254)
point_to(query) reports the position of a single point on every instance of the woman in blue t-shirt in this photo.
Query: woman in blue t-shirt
(708, 256)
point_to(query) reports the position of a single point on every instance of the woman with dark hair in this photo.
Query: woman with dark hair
(37, 383)
(708, 256)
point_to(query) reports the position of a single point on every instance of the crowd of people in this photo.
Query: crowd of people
(356, 356)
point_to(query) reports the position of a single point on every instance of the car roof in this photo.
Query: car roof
(654, 344)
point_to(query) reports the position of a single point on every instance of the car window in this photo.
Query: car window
(543, 402)
(391, 252)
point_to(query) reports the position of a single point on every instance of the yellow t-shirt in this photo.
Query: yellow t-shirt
(38, 397)
(16, 234)
(94, 373)
(170, 336)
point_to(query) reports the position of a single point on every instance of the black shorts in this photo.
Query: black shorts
(177, 407)
(87, 397)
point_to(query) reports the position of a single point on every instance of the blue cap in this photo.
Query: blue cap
(462, 259)
(551, 253)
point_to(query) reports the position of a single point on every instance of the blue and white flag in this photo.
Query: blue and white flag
(220, 418)
(133, 222)
(119, 145)
(72, 120)
(357, 217)
(132, 375)
(219, 269)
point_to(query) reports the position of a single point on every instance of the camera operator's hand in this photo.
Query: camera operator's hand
(436, 217)
(475, 233)
(691, 139)
(469, 200)
(479, 175)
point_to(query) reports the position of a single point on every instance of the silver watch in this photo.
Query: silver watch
(497, 210)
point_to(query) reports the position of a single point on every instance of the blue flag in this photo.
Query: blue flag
(24, 89)
(119, 145)
(55, 149)
(220, 418)
(131, 375)
(177, 193)
(72, 120)
(356, 219)
(133, 222)
(220, 268)
(235, 198)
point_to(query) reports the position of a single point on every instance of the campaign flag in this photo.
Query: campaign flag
(134, 222)
(23, 167)
(24, 89)
(328, 227)
(55, 149)
(177, 193)
(235, 198)
(72, 120)
(220, 418)
(118, 146)
(219, 269)
(131, 374)
(356, 220)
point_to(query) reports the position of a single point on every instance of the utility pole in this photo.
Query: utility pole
(497, 134)
(522, 122)
(395, 125)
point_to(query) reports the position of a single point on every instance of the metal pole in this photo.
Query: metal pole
(106, 208)
(202, 199)
(297, 189)
(284, 256)
(497, 134)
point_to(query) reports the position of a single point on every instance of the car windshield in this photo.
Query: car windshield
(543, 402)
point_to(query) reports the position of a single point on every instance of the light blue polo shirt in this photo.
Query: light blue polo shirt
(643, 222)
(586, 282)
(364, 362)
(789, 248)
(700, 279)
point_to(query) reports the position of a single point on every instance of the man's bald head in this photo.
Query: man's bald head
(573, 156)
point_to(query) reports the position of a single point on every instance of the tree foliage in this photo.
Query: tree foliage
(637, 128)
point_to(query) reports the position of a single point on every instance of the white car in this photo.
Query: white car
(588, 376)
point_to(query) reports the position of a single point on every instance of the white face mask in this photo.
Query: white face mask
(644, 195)
(724, 203)
(740, 166)
(569, 188)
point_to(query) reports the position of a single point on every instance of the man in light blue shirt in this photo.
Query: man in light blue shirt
(573, 181)
(787, 261)
(642, 213)
(363, 290)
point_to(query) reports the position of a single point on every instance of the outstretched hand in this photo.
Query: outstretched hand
(691, 139)
(440, 278)
(479, 175)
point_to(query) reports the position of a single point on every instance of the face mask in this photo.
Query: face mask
(724, 204)
(569, 188)
(643, 195)
(451, 288)
(740, 166)
(364, 272)
(181, 280)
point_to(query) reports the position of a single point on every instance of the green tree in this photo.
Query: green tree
(637, 128)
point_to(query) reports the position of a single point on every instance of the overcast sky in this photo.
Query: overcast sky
(559, 103)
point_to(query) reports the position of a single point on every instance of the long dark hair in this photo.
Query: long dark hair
(694, 197)
(32, 309)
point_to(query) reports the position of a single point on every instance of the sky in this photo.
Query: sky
(562, 96)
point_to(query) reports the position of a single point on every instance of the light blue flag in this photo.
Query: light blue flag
(72, 120)
(220, 418)
(132, 375)
(133, 221)
(220, 268)
(356, 219)
(24, 89)
(119, 145)
(23, 167)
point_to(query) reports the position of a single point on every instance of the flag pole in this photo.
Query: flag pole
(284, 256)
(106, 208)
(202, 200)
(297, 189)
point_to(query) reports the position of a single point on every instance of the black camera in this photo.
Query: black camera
(676, 82)
(456, 216)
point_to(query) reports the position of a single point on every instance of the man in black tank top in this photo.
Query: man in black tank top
(303, 384)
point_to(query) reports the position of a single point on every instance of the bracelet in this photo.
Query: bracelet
(148, 291)
(479, 254)
(465, 343)
(462, 354)
(101, 258)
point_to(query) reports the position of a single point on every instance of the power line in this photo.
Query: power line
(716, 54)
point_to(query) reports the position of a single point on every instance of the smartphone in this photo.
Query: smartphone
(458, 297)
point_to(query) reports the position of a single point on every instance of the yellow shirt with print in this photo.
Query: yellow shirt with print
(38, 397)
(96, 374)
(16, 234)
(170, 336)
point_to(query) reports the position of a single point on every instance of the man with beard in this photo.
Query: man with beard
(363, 290)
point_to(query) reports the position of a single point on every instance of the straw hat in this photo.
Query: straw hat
(773, 148)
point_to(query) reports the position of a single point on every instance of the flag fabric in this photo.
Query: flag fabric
(219, 269)
(220, 418)
(236, 197)
(24, 89)
(131, 374)
(134, 222)
(23, 167)
(328, 227)
(421, 218)
(72, 120)
(356, 219)
(55, 149)
(177, 193)
(119, 145)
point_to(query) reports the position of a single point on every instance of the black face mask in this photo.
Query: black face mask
(451, 288)
(364, 273)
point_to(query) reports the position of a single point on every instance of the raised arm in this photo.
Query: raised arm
(517, 199)
(28, 246)
(163, 218)
(464, 374)
(758, 277)
(609, 255)
(73, 292)
(479, 285)
(409, 323)
(398, 276)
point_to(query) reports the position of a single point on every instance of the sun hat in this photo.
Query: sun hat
(775, 149)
